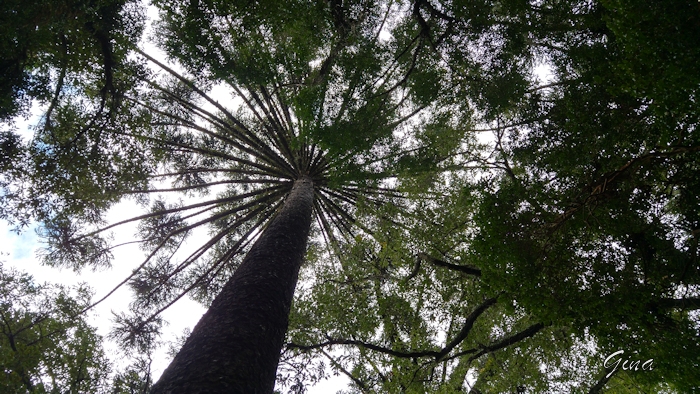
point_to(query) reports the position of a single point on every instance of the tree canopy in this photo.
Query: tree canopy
(477, 226)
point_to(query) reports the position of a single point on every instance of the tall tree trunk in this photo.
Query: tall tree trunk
(236, 345)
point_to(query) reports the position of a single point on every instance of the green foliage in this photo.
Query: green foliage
(69, 59)
(581, 213)
(587, 226)
(45, 347)
(51, 46)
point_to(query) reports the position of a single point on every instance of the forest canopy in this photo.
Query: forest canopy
(425, 196)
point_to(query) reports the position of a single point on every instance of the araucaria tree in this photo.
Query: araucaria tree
(323, 100)
(324, 105)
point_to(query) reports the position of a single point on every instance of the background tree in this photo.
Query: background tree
(45, 348)
(584, 218)
(592, 215)
(69, 61)
(51, 45)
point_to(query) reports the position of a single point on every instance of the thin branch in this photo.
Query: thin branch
(253, 147)
(259, 205)
(335, 215)
(214, 202)
(241, 128)
(229, 254)
(438, 355)
(183, 147)
(190, 187)
(360, 384)
(148, 258)
(597, 388)
(380, 349)
(609, 179)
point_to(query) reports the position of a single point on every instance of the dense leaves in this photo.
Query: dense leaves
(49, 46)
(590, 218)
(581, 224)
(71, 60)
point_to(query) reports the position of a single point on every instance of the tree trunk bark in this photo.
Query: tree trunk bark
(235, 347)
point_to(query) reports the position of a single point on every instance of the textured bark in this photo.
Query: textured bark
(235, 347)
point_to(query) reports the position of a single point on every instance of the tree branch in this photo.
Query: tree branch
(360, 384)
(468, 324)
(679, 303)
(598, 189)
(505, 342)
(376, 348)
(600, 384)
(469, 270)
(439, 356)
